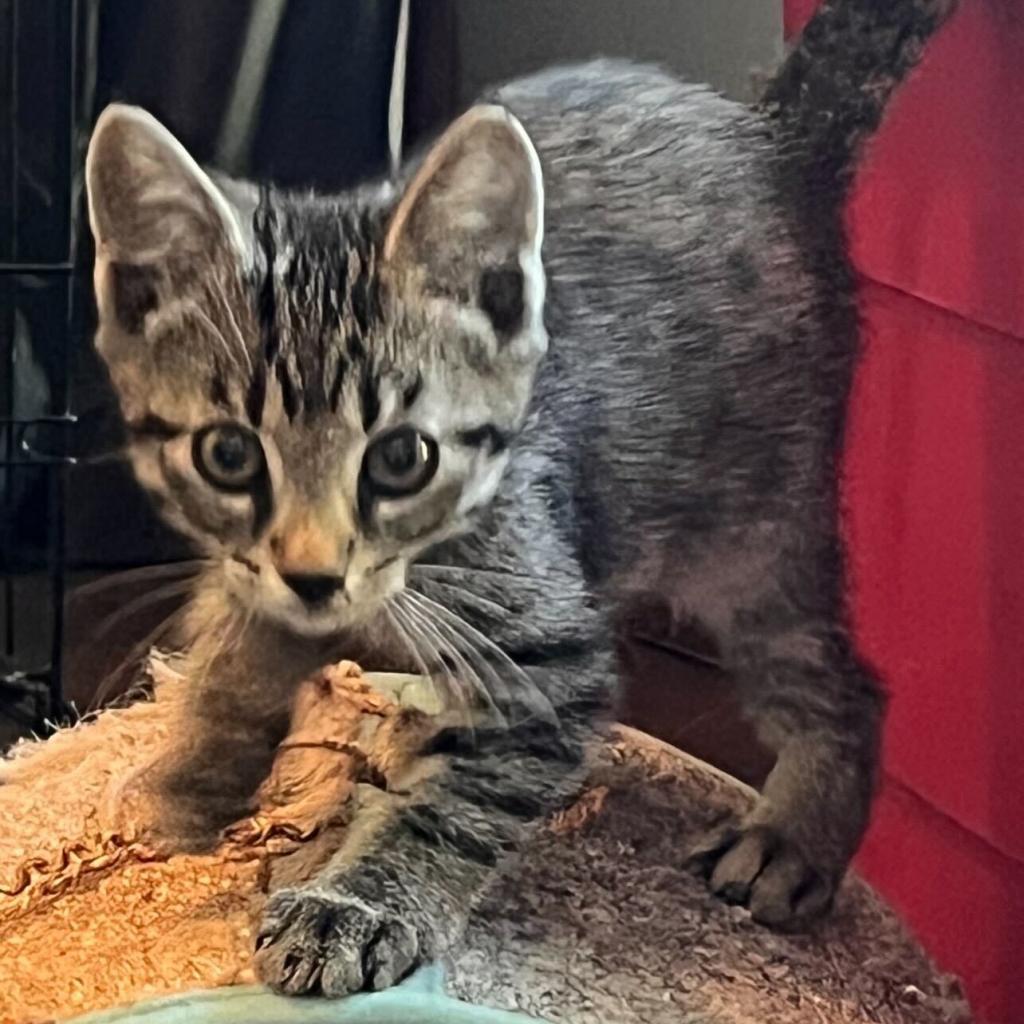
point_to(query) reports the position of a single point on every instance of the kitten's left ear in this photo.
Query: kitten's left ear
(471, 222)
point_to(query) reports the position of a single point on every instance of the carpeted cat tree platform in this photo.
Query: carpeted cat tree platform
(598, 922)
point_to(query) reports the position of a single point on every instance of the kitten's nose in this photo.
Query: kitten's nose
(313, 587)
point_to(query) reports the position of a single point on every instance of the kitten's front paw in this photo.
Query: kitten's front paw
(320, 941)
(757, 866)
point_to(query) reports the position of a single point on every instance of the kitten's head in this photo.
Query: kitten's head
(317, 390)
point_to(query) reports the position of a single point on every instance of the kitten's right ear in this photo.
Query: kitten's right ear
(152, 208)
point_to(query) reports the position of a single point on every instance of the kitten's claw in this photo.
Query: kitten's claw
(314, 941)
(757, 866)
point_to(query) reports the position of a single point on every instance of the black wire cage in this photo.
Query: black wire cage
(44, 89)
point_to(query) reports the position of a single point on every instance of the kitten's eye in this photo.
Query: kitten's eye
(401, 462)
(228, 456)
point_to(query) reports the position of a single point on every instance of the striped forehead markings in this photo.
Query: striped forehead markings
(317, 301)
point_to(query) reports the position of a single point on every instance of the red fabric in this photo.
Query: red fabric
(974, 897)
(935, 483)
(934, 490)
(940, 207)
(796, 15)
(935, 495)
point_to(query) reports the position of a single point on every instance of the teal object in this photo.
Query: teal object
(419, 1000)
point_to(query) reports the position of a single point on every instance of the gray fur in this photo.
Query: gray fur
(682, 436)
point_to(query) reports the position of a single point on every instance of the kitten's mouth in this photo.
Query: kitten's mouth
(333, 616)
(311, 622)
(248, 563)
(304, 619)
(308, 606)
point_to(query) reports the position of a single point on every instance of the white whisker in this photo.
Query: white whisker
(471, 596)
(531, 696)
(226, 642)
(407, 639)
(200, 313)
(141, 647)
(410, 631)
(442, 647)
(239, 337)
(454, 685)
(160, 570)
(243, 630)
(175, 588)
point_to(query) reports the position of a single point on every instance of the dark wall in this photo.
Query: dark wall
(721, 42)
(319, 113)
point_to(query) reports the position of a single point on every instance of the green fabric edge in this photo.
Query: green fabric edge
(419, 1000)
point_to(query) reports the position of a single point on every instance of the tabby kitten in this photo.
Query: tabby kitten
(596, 344)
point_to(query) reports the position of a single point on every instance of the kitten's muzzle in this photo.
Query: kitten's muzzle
(314, 589)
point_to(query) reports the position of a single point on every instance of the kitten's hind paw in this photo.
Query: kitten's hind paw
(316, 941)
(756, 866)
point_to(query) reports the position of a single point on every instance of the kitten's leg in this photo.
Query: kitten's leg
(400, 890)
(409, 874)
(816, 705)
(241, 677)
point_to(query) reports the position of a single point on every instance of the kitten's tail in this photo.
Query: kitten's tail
(831, 92)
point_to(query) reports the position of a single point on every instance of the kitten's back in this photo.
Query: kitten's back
(685, 371)
(701, 302)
